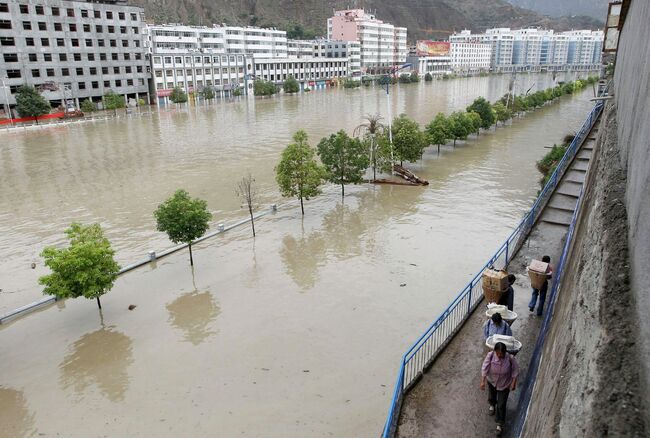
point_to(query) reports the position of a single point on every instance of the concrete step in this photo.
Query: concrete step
(570, 193)
(557, 216)
(584, 154)
(580, 165)
(562, 202)
(575, 175)
(583, 158)
(555, 207)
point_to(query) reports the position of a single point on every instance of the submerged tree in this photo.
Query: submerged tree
(86, 268)
(298, 174)
(503, 114)
(438, 130)
(247, 192)
(178, 95)
(183, 218)
(30, 103)
(291, 85)
(408, 141)
(344, 158)
(459, 126)
(372, 127)
(114, 101)
(484, 110)
(475, 122)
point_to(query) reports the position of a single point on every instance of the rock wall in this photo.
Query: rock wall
(632, 80)
(594, 374)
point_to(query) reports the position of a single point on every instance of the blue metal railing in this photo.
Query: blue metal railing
(424, 351)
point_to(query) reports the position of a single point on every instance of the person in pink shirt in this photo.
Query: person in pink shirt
(500, 369)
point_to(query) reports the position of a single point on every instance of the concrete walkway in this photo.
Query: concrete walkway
(447, 402)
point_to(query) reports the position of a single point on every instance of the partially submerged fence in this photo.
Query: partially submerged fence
(424, 351)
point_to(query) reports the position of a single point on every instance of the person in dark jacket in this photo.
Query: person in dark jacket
(508, 297)
(541, 292)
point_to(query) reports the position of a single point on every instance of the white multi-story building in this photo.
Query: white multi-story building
(309, 72)
(534, 49)
(300, 48)
(382, 45)
(351, 50)
(470, 57)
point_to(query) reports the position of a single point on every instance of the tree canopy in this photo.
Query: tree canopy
(208, 93)
(183, 218)
(484, 110)
(178, 95)
(113, 101)
(30, 103)
(408, 141)
(502, 113)
(86, 268)
(459, 126)
(345, 159)
(298, 174)
(372, 128)
(291, 85)
(264, 88)
(438, 130)
(88, 106)
(475, 121)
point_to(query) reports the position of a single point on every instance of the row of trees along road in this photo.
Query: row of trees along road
(87, 266)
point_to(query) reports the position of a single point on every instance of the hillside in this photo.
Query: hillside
(423, 18)
(555, 8)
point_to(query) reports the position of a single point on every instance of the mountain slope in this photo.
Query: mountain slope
(423, 18)
(555, 8)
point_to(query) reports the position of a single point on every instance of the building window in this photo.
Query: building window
(55, 11)
(136, 43)
(13, 74)
(91, 57)
(97, 14)
(27, 25)
(73, 27)
(9, 41)
(5, 24)
(60, 42)
(50, 72)
(113, 43)
(79, 71)
(178, 60)
(65, 72)
(125, 43)
(58, 27)
(84, 13)
(122, 29)
(32, 57)
(86, 27)
(4, 7)
(24, 9)
(74, 42)
(82, 85)
(114, 56)
(118, 83)
(93, 71)
(107, 84)
(63, 57)
(10, 57)
(94, 84)
(89, 43)
(99, 28)
(47, 57)
(100, 43)
(70, 12)
(134, 16)
(102, 56)
(40, 10)
(109, 15)
(104, 70)
(135, 30)
(129, 82)
(77, 56)
(121, 15)
(138, 56)
(116, 70)
(127, 69)
(139, 69)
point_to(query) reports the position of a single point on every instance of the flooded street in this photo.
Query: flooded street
(296, 333)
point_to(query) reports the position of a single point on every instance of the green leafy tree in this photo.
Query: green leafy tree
(345, 159)
(438, 130)
(484, 110)
(88, 106)
(86, 268)
(264, 88)
(428, 77)
(459, 126)
(503, 114)
(207, 93)
(30, 103)
(178, 95)
(408, 141)
(183, 218)
(414, 77)
(114, 101)
(475, 121)
(291, 85)
(405, 78)
(236, 92)
(298, 174)
(372, 127)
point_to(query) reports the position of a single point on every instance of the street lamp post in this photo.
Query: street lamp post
(7, 107)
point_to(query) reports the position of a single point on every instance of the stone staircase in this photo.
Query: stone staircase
(561, 206)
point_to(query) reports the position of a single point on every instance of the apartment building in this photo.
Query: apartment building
(469, 57)
(382, 45)
(312, 73)
(300, 48)
(73, 50)
(339, 49)
(536, 50)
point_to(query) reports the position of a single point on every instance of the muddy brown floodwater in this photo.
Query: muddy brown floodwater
(295, 333)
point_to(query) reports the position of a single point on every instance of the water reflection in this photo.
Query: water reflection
(192, 313)
(15, 419)
(100, 358)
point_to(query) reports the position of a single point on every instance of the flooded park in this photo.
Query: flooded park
(297, 332)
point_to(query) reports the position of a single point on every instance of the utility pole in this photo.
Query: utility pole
(7, 107)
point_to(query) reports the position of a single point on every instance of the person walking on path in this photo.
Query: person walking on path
(496, 326)
(508, 298)
(500, 369)
(542, 291)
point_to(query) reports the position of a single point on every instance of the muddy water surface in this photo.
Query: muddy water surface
(296, 333)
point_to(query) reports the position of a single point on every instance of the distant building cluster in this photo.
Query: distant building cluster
(76, 50)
